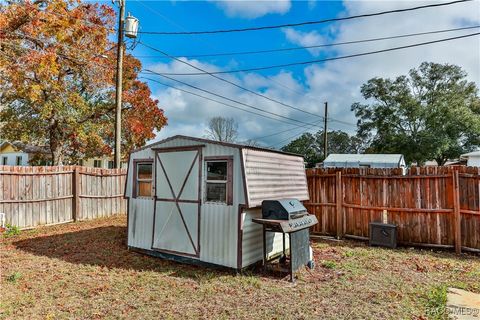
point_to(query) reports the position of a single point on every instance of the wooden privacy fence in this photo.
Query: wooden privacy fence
(432, 206)
(32, 196)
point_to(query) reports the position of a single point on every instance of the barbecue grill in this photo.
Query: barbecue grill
(288, 216)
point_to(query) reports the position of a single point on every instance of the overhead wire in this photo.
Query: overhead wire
(304, 23)
(219, 102)
(326, 59)
(226, 98)
(333, 44)
(279, 132)
(179, 26)
(236, 84)
(289, 138)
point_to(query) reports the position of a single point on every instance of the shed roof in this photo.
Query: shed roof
(471, 154)
(367, 158)
(227, 144)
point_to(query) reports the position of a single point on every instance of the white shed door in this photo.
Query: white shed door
(177, 204)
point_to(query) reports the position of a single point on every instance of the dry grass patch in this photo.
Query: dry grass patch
(84, 271)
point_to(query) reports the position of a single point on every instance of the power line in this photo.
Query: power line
(235, 107)
(236, 53)
(326, 59)
(220, 102)
(290, 138)
(226, 98)
(283, 131)
(236, 84)
(365, 15)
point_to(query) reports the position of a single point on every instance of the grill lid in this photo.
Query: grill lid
(283, 209)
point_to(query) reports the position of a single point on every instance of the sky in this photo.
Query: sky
(304, 87)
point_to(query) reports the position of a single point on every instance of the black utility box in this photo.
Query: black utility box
(383, 234)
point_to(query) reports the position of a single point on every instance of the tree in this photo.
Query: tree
(311, 145)
(432, 113)
(222, 129)
(57, 77)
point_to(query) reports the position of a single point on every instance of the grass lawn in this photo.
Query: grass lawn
(84, 270)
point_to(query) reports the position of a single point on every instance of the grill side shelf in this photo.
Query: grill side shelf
(288, 226)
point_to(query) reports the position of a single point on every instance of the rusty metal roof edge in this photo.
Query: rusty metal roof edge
(226, 144)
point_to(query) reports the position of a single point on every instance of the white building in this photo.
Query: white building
(336, 160)
(192, 199)
(21, 154)
(473, 158)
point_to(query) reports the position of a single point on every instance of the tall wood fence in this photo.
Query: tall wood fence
(431, 206)
(32, 196)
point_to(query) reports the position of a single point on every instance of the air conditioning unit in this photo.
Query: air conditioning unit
(383, 235)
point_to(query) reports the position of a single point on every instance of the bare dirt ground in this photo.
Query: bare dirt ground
(84, 271)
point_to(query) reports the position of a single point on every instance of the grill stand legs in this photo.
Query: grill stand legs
(284, 254)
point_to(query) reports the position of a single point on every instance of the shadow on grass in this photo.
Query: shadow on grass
(107, 247)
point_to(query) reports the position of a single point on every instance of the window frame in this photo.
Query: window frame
(17, 162)
(4, 160)
(228, 182)
(95, 161)
(135, 181)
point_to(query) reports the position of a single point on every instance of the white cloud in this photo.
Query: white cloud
(253, 8)
(189, 114)
(305, 39)
(337, 82)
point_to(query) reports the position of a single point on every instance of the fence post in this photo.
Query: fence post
(76, 193)
(339, 203)
(456, 212)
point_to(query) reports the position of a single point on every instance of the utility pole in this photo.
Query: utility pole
(325, 129)
(118, 87)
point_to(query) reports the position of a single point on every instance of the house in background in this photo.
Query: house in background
(104, 163)
(21, 154)
(473, 158)
(336, 160)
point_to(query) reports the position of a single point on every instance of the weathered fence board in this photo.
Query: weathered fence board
(435, 206)
(32, 196)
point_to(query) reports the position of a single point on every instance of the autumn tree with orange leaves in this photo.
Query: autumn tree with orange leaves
(57, 75)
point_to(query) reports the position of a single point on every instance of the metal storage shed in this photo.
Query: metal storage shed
(336, 160)
(193, 199)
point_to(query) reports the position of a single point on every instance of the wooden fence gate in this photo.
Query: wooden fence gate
(32, 196)
(432, 206)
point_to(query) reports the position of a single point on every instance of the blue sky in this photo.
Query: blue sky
(305, 87)
(184, 16)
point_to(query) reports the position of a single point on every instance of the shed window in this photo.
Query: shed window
(4, 161)
(18, 161)
(111, 164)
(218, 186)
(144, 179)
(97, 163)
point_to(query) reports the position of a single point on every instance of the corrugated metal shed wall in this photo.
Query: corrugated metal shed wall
(140, 211)
(252, 243)
(272, 175)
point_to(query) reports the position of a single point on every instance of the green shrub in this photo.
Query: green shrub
(11, 230)
(436, 302)
(14, 277)
(329, 264)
